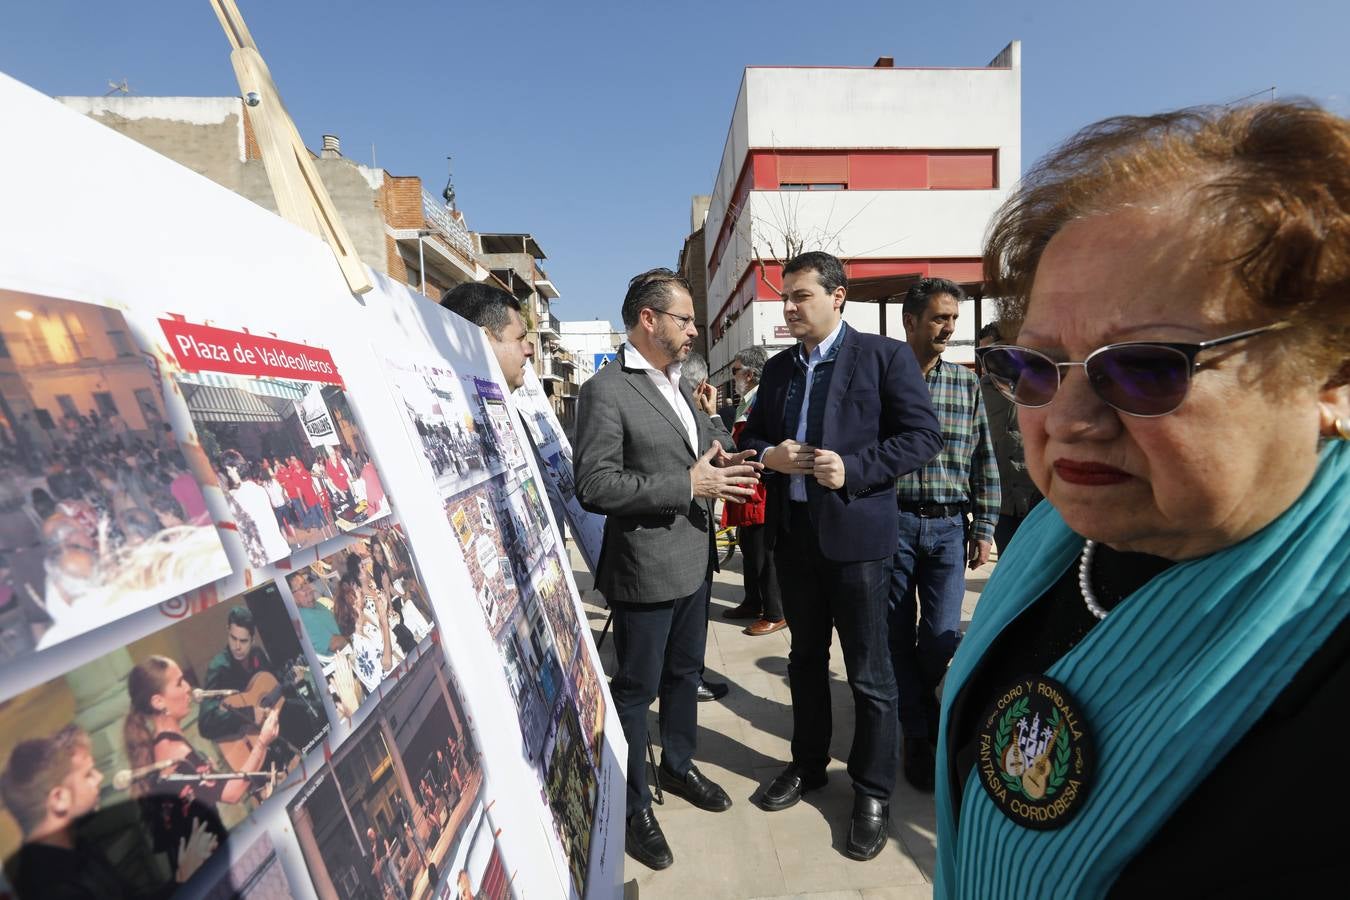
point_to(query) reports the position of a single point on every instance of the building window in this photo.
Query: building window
(822, 186)
(106, 406)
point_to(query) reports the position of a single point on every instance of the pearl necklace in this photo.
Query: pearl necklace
(1085, 581)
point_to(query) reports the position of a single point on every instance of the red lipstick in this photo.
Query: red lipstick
(1089, 473)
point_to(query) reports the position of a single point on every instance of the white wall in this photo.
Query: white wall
(862, 108)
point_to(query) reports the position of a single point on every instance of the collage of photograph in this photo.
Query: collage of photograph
(462, 422)
(386, 816)
(169, 744)
(125, 470)
(364, 610)
(533, 620)
(101, 509)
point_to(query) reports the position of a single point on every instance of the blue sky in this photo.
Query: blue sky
(590, 125)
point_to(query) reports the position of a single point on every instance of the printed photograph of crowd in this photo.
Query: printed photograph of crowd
(480, 518)
(168, 744)
(364, 610)
(386, 816)
(462, 423)
(289, 457)
(571, 786)
(100, 512)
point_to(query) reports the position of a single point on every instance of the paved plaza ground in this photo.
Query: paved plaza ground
(743, 742)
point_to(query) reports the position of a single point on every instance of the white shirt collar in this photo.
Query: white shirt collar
(824, 346)
(635, 360)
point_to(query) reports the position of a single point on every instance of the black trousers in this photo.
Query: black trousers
(660, 653)
(820, 594)
(761, 576)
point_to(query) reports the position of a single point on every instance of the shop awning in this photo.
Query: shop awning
(208, 403)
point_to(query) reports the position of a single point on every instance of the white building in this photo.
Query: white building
(896, 171)
(591, 343)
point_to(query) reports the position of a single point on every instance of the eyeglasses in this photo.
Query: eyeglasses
(685, 321)
(1138, 378)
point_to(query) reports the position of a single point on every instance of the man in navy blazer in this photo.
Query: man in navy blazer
(839, 417)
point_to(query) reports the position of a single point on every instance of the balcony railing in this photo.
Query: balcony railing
(451, 229)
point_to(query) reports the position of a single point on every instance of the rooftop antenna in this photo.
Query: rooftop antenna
(449, 192)
(118, 87)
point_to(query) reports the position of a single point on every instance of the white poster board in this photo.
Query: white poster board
(333, 579)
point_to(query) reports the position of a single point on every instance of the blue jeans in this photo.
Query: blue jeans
(930, 563)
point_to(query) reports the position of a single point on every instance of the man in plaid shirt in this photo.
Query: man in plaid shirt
(937, 539)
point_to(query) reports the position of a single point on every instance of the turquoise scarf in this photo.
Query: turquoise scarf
(1169, 682)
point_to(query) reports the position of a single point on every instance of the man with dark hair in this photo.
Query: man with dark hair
(498, 314)
(1017, 491)
(653, 462)
(231, 670)
(937, 541)
(838, 418)
(763, 601)
(49, 786)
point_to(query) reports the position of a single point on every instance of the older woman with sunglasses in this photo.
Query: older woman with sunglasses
(1145, 697)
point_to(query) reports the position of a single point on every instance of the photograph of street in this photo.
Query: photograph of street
(458, 420)
(386, 814)
(571, 787)
(289, 456)
(100, 512)
(493, 554)
(364, 610)
(184, 733)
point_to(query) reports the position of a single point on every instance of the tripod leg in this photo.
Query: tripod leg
(609, 620)
(656, 776)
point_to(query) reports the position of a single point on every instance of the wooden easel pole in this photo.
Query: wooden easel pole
(301, 196)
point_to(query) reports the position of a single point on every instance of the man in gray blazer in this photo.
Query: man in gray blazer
(651, 459)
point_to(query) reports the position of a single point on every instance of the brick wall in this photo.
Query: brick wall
(401, 201)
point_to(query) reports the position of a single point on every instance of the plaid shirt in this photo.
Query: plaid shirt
(966, 471)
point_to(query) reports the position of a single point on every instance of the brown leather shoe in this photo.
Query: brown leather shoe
(744, 611)
(765, 626)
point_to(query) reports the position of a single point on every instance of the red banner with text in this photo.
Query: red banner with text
(201, 348)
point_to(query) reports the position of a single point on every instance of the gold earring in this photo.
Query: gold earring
(1343, 429)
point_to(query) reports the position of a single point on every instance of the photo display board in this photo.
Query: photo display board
(283, 610)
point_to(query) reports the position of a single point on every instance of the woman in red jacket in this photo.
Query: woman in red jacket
(762, 600)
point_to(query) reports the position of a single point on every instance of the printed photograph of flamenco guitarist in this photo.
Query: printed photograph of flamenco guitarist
(385, 818)
(143, 760)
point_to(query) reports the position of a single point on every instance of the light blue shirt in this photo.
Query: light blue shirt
(797, 483)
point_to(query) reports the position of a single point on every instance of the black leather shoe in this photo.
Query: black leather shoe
(645, 842)
(867, 831)
(786, 789)
(744, 611)
(920, 764)
(694, 787)
(712, 690)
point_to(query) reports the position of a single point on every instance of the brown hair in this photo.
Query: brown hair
(36, 767)
(138, 731)
(1267, 187)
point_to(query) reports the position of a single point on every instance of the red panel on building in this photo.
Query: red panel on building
(888, 171)
(973, 169)
(874, 267)
(813, 168)
(958, 270)
(766, 170)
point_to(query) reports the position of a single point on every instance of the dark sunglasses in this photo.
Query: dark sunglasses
(1138, 378)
